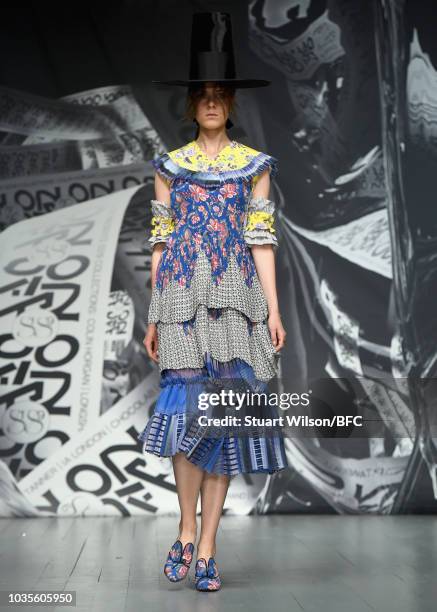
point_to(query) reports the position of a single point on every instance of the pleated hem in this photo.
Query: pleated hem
(227, 456)
(234, 473)
(174, 425)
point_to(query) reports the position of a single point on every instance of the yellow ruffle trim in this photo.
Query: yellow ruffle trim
(260, 220)
(162, 226)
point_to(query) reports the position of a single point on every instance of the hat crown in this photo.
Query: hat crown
(212, 52)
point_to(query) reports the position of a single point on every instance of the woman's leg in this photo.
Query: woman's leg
(188, 479)
(213, 492)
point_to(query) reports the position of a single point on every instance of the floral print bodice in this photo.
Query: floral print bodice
(212, 209)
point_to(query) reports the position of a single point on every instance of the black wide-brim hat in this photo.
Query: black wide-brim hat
(212, 53)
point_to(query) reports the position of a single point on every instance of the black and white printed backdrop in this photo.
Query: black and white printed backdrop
(349, 115)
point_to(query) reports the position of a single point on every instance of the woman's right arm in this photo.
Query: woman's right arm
(162, 193)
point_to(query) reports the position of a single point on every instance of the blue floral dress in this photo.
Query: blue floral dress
(211, 312)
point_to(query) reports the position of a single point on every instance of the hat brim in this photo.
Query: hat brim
(234, 82)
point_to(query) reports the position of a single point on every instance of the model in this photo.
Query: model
(213, 319)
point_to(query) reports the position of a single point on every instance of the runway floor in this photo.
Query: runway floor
(290, 563)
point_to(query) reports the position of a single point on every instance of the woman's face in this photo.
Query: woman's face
(212, 106)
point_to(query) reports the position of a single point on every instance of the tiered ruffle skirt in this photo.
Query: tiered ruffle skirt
(225, 347)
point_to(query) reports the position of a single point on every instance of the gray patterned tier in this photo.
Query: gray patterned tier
(177, 303)
(224, 338)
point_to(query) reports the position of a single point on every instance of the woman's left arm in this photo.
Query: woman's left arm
(264, 258)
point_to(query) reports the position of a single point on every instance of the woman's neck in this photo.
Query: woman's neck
(212, 142)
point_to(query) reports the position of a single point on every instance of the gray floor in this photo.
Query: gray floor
(274, 563)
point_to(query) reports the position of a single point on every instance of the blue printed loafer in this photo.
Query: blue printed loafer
(206, 576)
(178, 561)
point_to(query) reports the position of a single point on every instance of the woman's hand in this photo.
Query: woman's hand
(151, 341)
(277, 331)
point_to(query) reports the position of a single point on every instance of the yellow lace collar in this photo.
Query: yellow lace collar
(232, 157)
(234, 161)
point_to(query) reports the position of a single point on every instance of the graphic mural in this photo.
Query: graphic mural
(349, 115)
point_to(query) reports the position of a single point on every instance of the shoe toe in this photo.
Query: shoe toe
(175, 571)
(208, 584)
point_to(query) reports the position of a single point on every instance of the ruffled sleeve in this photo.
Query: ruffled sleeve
(164, 167)
(259, 226)
(267, 162)
(162, 223)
